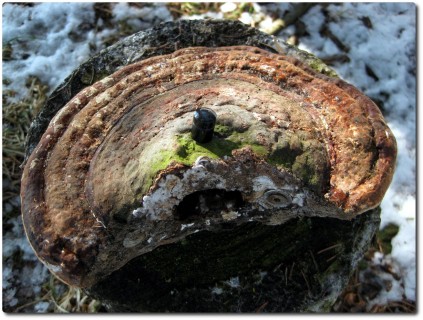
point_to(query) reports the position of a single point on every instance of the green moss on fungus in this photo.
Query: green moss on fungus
(223, 131)
(293, 152)
(305, 169)
(315, 63)
(319, 66)
(305, 159)
(186, 150)
(296, 152)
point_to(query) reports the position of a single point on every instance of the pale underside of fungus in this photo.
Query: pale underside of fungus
(116, 174)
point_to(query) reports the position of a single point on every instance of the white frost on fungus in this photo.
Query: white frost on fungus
(172, 189)
(263, 183)
(299, 199)
(184, 226)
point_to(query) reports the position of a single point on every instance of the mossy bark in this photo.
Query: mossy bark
(300, 266)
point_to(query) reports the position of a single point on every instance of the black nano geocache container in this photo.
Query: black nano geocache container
(203, 125)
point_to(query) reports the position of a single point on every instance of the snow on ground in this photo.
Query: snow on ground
(28, 279)
(49, 40)
(388, 47)
(48, 50)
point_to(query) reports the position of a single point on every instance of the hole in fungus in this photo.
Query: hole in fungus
(277, 198)
(208, 203)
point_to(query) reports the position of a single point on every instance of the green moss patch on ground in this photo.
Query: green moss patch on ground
(385, 236)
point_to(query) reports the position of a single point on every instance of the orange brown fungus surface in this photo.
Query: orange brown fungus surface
(83, 173)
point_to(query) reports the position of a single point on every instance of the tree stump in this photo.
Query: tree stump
(272, 214)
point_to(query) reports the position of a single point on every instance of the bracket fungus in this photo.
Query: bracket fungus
(123, 197)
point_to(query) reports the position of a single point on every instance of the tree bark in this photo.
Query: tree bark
(300, 266)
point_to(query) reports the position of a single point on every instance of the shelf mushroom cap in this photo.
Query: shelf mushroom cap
(108, 178)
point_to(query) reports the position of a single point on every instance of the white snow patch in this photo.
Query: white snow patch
(392, 289)
(228, 7)
(246, 18)
(233, 282)
(48, 41)
(31, 276)
(141, 18)
(41, 307)
(217, 290)
(206, 15)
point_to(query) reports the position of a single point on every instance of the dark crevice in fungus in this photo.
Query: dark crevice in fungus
(207, 203)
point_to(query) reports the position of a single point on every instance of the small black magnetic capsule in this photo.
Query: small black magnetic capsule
(203, 125)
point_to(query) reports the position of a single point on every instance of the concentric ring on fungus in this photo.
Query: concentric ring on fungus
(117, 159)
